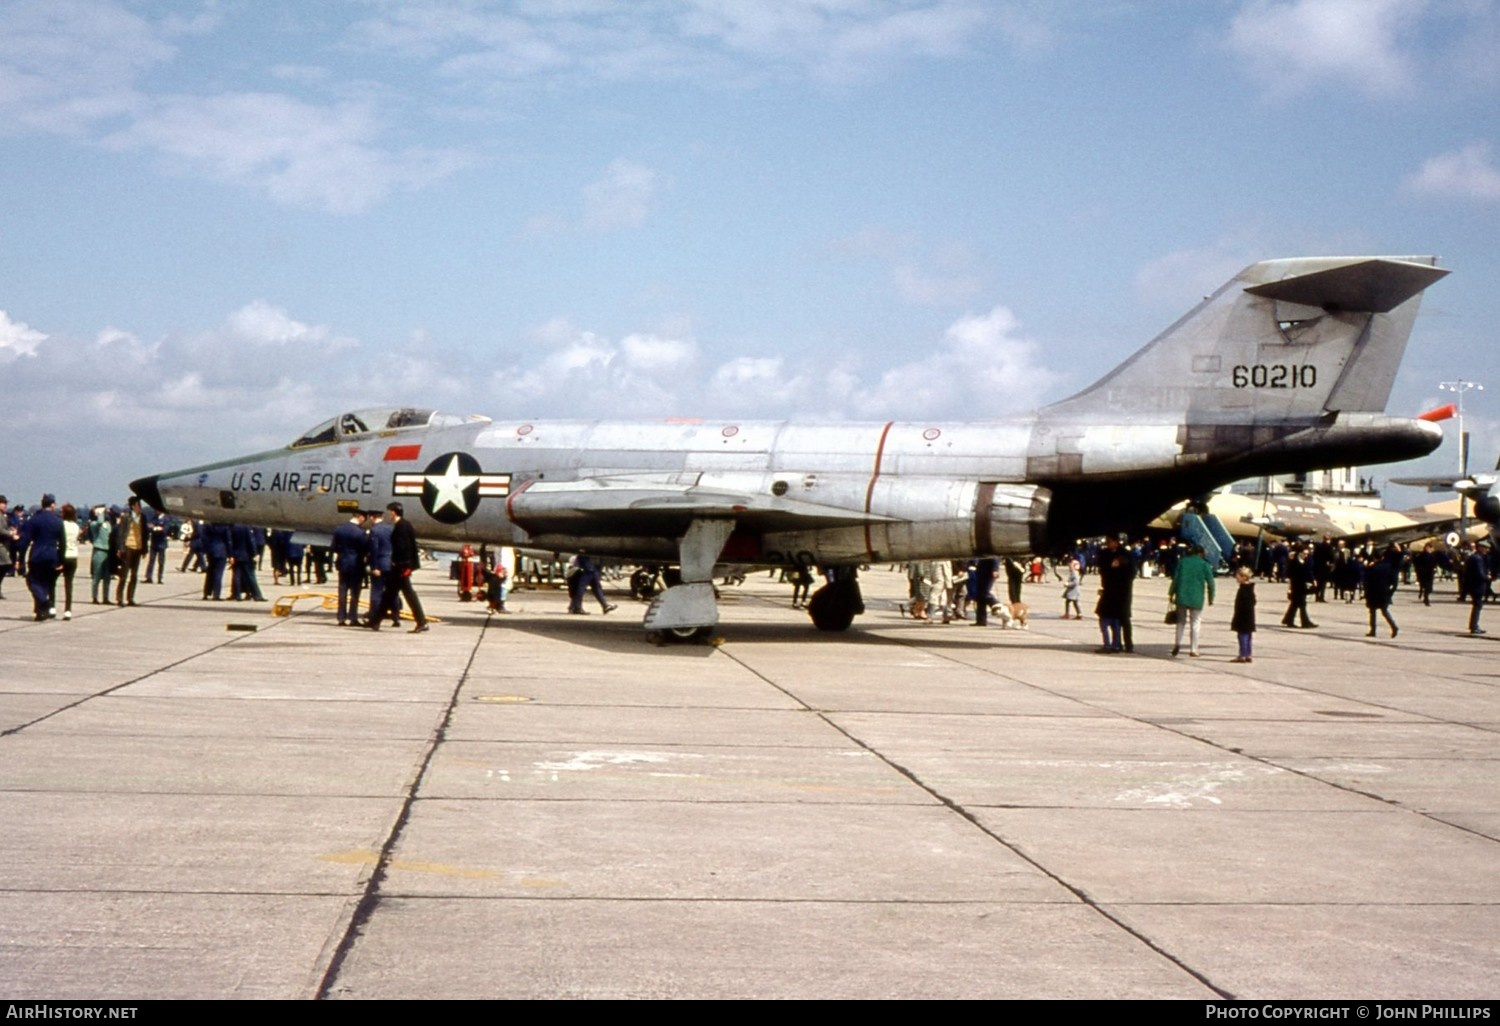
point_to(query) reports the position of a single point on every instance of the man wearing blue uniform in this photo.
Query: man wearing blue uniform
(243, 584)
(156, 547)
(1476, 581)
(380, 570)
(350, 546)
(216, 544)
(405, 557)
(41, 541)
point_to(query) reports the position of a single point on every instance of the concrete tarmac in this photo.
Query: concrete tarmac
(545, 805)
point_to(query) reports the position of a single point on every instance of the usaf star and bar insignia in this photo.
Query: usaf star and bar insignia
(451, 487)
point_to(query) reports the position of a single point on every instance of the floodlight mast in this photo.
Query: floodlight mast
(1459, 387)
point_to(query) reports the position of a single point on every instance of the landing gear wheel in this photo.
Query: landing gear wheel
(679, 635)
(833, 607)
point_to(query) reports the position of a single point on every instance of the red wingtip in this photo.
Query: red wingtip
(1441, 413)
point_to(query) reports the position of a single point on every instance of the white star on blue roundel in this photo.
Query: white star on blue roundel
(452, 486)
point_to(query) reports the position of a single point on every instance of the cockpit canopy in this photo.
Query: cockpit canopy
(380, 420)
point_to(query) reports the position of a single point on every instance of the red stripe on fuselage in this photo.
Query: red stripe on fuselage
(870, 491)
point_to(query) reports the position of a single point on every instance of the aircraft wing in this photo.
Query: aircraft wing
(665, 505)
(1422, 526)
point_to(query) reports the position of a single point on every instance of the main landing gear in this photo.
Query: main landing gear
(688, 611)
(834, 606)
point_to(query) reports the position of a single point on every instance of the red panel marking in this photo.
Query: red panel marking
(741, 547)
(509, 505)
(870, 491)
(402, 452)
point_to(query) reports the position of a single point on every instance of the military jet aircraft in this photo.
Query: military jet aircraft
(1290, 516)
(1285, 368)
(1472, 488)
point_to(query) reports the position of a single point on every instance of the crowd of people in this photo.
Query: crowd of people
(376, 551)
(1330, 570)
(43, 546)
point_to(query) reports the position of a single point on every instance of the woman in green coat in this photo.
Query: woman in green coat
(1192, 587)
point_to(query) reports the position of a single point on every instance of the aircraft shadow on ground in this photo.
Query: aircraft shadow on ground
(626, 636)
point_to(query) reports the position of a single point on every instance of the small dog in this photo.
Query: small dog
(1011, 614)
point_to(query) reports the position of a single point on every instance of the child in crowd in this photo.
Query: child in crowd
(1243, 623)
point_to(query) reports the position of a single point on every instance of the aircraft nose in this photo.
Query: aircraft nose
(148, 490)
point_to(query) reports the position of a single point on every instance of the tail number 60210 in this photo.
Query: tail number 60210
(1275, 375)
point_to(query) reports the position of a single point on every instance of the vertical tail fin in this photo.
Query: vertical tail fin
(1283, 340)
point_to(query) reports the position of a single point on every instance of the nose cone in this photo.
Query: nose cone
(149, 491)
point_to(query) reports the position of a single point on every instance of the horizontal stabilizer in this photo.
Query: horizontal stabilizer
(1471, 487)
(1376, 285)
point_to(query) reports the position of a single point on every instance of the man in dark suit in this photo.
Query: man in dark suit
(41, 541)
(405, 556)
(243, 584)
(350, 545)
(1301, 579)
(1116, 591)
(380, 569)
(1476, 582)
(216, 544)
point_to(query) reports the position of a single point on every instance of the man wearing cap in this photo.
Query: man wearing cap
(43, 540)
(1477, 582)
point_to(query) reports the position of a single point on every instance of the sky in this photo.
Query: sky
(224, 221)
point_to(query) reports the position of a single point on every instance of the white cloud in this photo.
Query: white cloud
(920, 272)
(920, 286)
(94, 70)
(1467, 173)
(263, 375)
(981, 367)
(1179, 280)
(584, 374)
(836, 38)
(17, 339)
(1293, 44)
(261, 324)
(653, 354)
(619, 199)
(79, 68)
(299, 154)
(701, 41)
(67, 65)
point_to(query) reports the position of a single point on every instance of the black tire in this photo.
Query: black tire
(833, 608)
